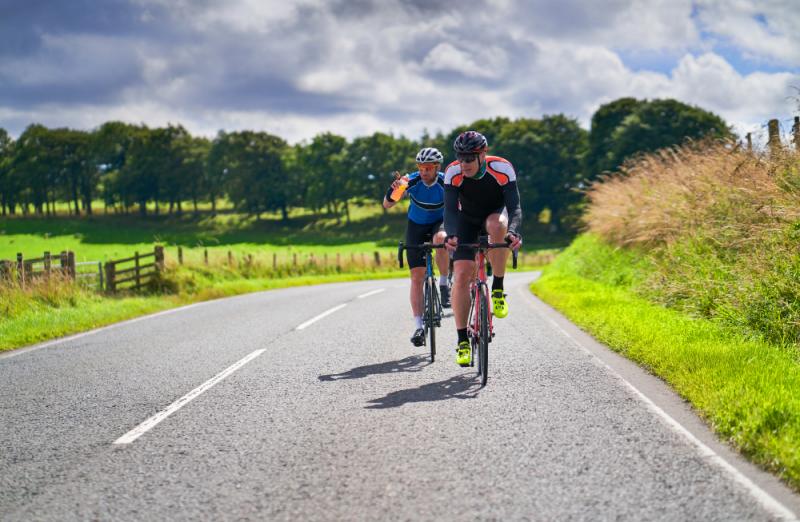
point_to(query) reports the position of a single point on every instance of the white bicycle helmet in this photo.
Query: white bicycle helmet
(429, 155)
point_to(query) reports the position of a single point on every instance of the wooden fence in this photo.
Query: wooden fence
(27, 270)
(121, 276)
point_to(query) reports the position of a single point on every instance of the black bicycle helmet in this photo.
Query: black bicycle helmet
(470, 141)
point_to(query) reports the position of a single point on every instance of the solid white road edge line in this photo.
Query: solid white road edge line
(378, 291)
(320, 316)
(765, 499)
(147, 425)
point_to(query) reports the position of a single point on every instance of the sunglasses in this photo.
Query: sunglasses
(467, 157)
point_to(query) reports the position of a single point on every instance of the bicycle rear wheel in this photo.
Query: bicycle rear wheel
(483, 337)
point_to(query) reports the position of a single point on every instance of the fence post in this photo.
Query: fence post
(159, 253)
(71, 267)
(325, 261)
(274, 260)
(111, 284)
(338, 261)
(205, 256)
(796, 133)
(230, 258)
(774, 142)
(136, 268)
(749, 141)
(47, 263)
(377, 259)
(21, 269)
(100, 275)
(180, 255)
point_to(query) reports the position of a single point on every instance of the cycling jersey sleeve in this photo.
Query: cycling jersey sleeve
(511, 196)
(450, 210)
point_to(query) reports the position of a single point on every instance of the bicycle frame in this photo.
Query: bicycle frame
(432, 305)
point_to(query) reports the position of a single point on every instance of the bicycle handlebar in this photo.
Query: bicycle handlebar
(428, 246)
(424, 246)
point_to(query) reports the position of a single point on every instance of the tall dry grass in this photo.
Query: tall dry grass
(721, 227)
(725, 192)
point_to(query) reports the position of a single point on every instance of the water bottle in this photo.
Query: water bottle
(397, 193)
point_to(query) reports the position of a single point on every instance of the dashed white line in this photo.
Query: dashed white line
(378, 291)
(147, 425)
(320, 316)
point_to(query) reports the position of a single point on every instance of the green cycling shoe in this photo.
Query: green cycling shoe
(499, 305)
(463, 354)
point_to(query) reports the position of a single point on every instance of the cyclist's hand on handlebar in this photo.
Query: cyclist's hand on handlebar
(514, 241)
(451, 243)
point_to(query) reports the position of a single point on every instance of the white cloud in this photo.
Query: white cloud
(300, 68)
(766, 30)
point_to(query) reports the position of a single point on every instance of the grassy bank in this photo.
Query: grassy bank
(692, 269)
(745, 387)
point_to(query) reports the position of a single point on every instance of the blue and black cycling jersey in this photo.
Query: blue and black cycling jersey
(427, 202)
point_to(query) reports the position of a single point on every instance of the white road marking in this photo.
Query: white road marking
(320, 316)
(378, 291)
(147, 425)
(767, 501)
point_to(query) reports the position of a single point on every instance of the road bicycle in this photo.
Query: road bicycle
(479, 324)
(432, 303)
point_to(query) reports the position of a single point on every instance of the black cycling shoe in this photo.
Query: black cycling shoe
(444, 291)
(418, 339)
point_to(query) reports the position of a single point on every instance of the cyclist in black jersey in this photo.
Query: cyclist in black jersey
(480, 193)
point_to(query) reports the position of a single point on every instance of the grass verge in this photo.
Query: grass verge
(745, 387)
(41, 314)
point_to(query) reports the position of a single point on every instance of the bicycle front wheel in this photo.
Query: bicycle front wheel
(483, 337)
(433, 316)
(428, 319)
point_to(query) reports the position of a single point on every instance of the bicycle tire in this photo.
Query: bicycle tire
(432, 318)
(483, 338)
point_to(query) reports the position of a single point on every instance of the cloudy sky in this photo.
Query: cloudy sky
(353, 67)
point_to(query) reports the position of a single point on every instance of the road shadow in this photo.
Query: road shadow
(414, 363)
(465, 386)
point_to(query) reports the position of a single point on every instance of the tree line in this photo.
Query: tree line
(129, 167)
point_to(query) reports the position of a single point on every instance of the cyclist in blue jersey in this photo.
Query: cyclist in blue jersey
(425, 188)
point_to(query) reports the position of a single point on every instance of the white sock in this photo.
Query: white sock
(418, 321)
(442, 280)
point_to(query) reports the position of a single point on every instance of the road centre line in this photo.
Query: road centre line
(150, 423)
(320, 316)
(770, 503)
(378, 291)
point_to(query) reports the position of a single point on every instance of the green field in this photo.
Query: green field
(104, 237)
(47, 311)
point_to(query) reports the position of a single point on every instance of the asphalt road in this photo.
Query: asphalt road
(345, 419)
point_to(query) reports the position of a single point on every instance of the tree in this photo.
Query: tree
(9, 189)
(256, 178)
(371, 159)
(628, 127)
(601, 137)
(547, 155)
(326, 177)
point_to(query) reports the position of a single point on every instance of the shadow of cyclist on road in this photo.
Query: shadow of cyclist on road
(413, 363)
(464, 386)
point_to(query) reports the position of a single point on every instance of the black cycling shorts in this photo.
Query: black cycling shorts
(417, 234)
(468, 230)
